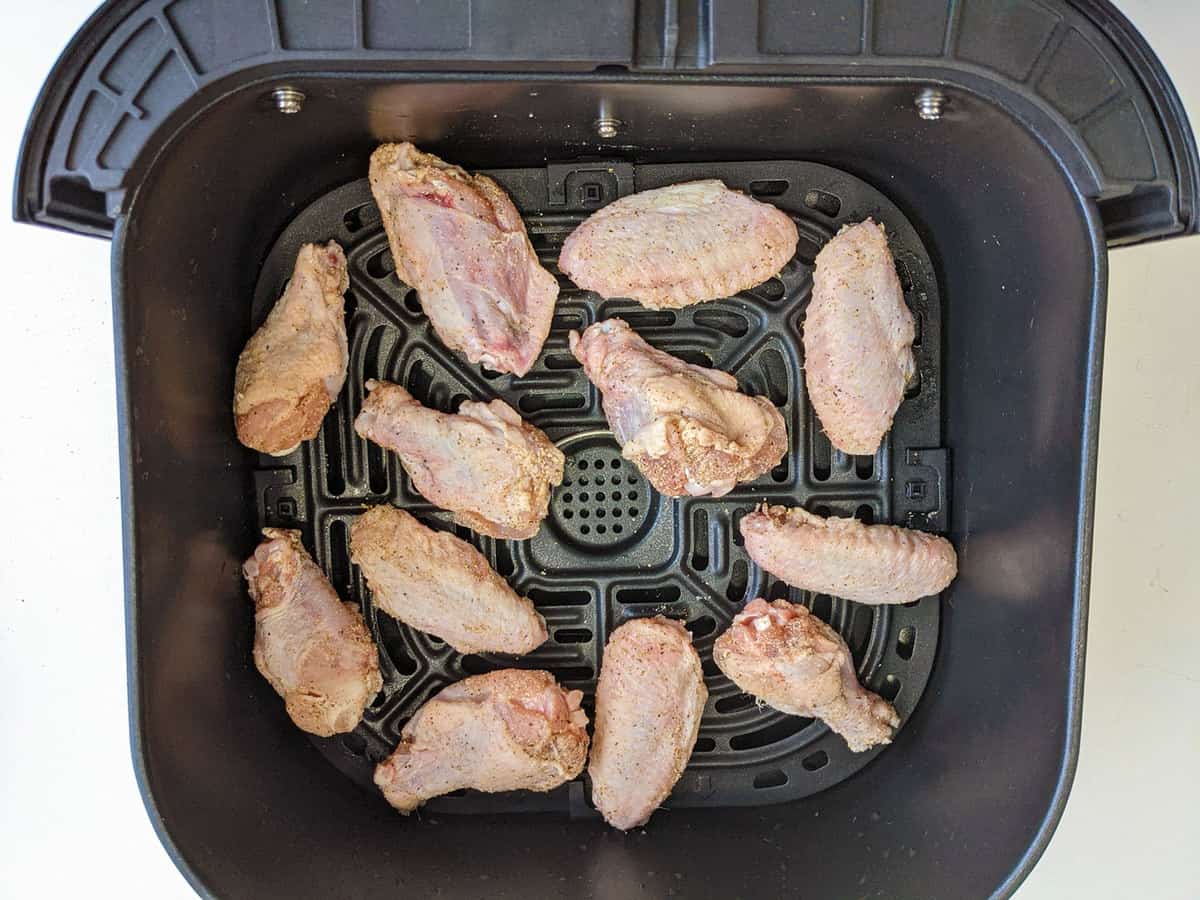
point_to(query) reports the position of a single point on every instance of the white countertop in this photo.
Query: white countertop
(71, 819)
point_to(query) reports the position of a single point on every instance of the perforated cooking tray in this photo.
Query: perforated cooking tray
(612, 548)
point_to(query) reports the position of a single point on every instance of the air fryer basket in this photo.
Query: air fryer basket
(612, 547)
(1043, 130)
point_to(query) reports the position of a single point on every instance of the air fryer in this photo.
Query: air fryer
(1005, 144)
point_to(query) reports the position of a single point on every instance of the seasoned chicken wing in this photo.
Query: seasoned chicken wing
(439, 584)
(791, 660)
(458, 240)
(686, 427)
(678, 245)
(293, 367)
(314, 649)
(858, 337)
(847, 559)
(514, 729)
(484, 464)
(649, 701)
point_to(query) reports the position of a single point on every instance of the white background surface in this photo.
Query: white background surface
(71, 820)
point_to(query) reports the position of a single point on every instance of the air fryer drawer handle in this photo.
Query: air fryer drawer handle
(1075, 72)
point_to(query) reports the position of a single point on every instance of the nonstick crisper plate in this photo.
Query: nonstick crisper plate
(612, 548)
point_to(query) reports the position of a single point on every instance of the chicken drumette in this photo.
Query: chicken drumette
(686, 427)
(293, 368)
(791, 660)
(314, 649)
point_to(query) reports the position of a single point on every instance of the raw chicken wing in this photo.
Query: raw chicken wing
(858, 338)
(678, 245)
(791, 660)
(439, 584)
(510, 730)
(458, 240)
(484, 464)
(686, 427)
(845, 558)
(314, 649)
(649, 700)
(293, 368)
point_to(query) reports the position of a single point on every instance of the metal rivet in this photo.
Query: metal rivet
(929, 104)
(608, 127)
(288, 100)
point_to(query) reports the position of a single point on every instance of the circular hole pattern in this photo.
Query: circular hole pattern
(591, 516)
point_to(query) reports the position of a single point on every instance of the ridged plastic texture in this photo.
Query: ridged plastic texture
(612, 548)
(1075, 72)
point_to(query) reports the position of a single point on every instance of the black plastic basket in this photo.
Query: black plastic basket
(1003, 142)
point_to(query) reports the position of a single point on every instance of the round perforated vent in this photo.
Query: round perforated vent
(604, 500)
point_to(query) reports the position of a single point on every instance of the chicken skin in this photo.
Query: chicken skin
(687, 428)
(789, 659)
(843, 557)
(678, 245)
(294, 366)
(514, 729)
(439, 584)
(485, 464)
(458, 240)
(314, 649)
(858, 337)
(649, 700)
